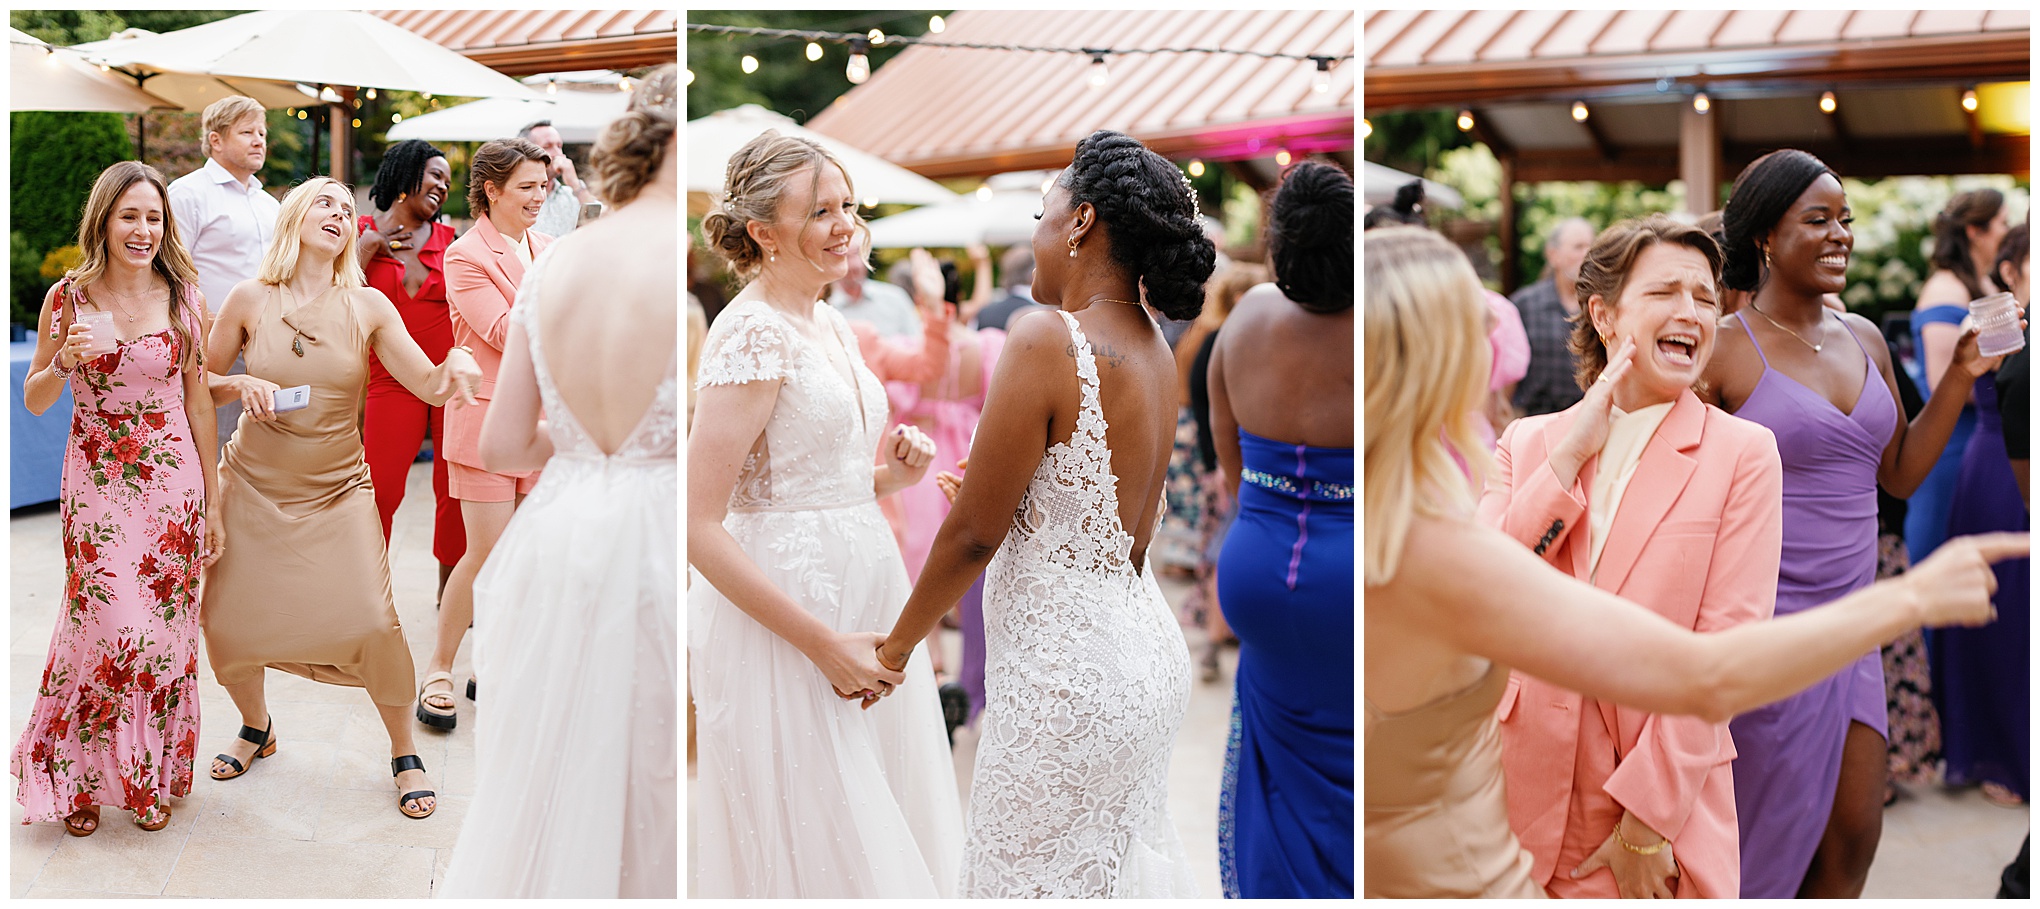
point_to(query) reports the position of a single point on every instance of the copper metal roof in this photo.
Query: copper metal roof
(959, 112)
(1418, 57)
(523, 42)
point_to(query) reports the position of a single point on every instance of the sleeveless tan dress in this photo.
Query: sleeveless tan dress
(1437, 819)
(304, 585)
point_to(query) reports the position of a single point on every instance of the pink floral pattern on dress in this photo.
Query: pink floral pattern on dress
(115, 721)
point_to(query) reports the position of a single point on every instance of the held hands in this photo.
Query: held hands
(850, 663)
(1954, 585)
(459, 377)
(908, 452)
(1590, 430)
(951, 483)
(1637, 876)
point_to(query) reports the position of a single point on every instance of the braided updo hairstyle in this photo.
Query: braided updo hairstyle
(1762, 193)
(1310, 237)
(757, 178)
(402, 171)
(633, 146)
(1151, 216)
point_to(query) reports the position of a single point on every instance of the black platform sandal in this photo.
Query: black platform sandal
(411, 762)
(955, 707)
(265, 746)
(471, 689)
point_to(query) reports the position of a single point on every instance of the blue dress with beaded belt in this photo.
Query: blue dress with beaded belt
(1285, 583)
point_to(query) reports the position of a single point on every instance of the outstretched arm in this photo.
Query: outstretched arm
(514, 437)
(1012, 436)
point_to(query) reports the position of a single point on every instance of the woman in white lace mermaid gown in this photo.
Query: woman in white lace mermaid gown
(800, 792)
(576, 769)
(1087, 675)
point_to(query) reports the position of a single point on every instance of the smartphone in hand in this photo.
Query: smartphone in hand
(296, 398)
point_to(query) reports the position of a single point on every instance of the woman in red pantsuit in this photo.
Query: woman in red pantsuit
(403, 251)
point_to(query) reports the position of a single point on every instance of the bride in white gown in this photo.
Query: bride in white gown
(1087, 676)
(801, 793)
(575, 768)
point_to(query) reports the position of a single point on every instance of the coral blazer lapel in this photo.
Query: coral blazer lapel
(1661, 475)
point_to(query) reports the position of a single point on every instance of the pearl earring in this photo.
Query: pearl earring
(1073, 246)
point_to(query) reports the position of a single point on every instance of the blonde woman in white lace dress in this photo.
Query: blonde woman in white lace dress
(1087, 675)
(802, 792)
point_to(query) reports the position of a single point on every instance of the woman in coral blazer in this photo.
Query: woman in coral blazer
(1643, 491)
(506, 188)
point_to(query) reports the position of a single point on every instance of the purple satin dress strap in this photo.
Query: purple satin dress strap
(1790, 752)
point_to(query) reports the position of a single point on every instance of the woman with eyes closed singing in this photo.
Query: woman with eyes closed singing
(1654, 496)
(1809, 771)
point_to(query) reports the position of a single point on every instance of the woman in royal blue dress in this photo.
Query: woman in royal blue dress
(1281, 381)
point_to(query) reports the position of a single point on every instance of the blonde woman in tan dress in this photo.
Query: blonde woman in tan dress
(305, 587)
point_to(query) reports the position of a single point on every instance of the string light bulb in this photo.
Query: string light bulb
(1827, 102)
(1322, 81)
(1282, 157)
(690, 78)
(1366, 128)
(396, 118)
(301, 115)
(371, 94)
(750, 64)
(1969, 100)
(1700, 102)
(1196, 167)
(1465, 120)
(936, 25)
(1100, 73)
(1579, 111)
(357, 122)
(814, 51)
(859, 68)
(877, 38)
(984, 193)
(552, 87)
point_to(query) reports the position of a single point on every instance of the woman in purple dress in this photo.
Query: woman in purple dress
(1981, 674)
(1809, 776)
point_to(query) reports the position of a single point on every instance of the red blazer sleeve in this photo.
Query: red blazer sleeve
(1524, 500)
(893, 362)
(1661, 777)
(472, 291)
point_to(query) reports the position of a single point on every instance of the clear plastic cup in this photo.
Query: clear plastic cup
(1997, 325)
(104, 336)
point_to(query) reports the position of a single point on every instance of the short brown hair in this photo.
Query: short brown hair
(221, 116)
(494, 162)
(1606, 270)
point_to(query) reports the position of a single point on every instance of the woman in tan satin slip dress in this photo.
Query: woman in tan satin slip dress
(305, 585)
(1451, 604)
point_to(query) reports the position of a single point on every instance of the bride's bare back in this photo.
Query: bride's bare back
(608, 315)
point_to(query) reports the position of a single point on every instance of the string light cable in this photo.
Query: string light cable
(1322, 62)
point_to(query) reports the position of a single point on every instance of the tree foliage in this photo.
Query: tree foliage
(786, 81)
(54, 158)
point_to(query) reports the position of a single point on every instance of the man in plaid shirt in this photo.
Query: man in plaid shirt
(1547, 308)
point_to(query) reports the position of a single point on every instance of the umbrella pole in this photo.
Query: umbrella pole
(314, 161)
(141, 136)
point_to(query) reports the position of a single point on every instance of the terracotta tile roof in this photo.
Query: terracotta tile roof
(957, 112)
(522, 42)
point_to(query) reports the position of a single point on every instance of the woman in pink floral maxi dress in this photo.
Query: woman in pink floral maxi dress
(115, 720)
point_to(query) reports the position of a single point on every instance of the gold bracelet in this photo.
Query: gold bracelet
(1653, 850)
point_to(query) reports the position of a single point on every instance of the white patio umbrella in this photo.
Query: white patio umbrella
(190, 91)
(315, 47)
(1383, 181)
(58, 78)
(578, 115)
(711, 141)
(1000, 213)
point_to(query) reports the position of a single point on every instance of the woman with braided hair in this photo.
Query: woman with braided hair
(1087, 676)
(403, 254)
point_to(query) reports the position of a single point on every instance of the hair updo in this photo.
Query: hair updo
(754, 183)
(1310, 237)
(633, 147)
(1150, 215)
(1408, 208)
(1762, 193)
(495, 162)
(1974, 208)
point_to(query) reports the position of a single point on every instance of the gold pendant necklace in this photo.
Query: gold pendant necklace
(1795, 335)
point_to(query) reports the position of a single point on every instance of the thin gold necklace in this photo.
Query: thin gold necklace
(1794, 334)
